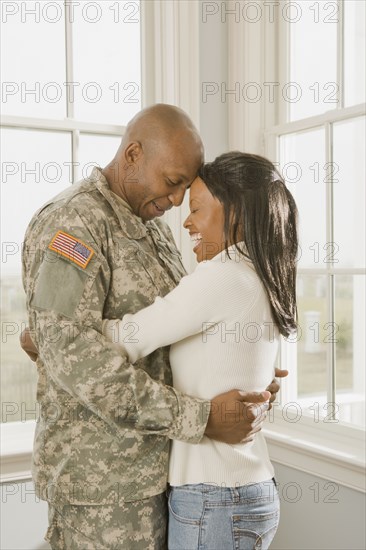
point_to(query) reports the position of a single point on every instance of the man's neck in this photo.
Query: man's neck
(113, 178)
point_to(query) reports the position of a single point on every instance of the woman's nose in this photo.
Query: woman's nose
(187, 222)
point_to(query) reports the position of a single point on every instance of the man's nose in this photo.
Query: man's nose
(176, 197)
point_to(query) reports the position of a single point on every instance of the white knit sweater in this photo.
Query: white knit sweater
(219, 323)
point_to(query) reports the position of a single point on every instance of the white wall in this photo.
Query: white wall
(213, 70)
(23, 518)
(317, 514)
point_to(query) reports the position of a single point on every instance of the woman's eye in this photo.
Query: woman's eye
(193, 211)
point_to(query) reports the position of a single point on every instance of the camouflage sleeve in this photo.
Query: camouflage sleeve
(66, 294)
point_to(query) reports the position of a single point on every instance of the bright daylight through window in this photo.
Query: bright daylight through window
(321, 144)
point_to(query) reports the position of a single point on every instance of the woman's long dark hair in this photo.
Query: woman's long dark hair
(260, 211)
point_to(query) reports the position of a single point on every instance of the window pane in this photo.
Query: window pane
(33, 59)
(350, 295)
(313, 57)
(354, 52)
(95, 150)
(349, 192)
(34, 169)
(106, 43)
(313, 337)
(303, 167)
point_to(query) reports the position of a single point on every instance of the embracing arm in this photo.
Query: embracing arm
(202, 299)
(29, 347)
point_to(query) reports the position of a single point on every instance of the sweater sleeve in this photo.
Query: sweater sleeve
(201, 300)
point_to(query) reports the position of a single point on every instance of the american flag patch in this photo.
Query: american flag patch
(71, 248)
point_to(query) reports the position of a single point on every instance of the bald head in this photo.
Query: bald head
(159, 157)
(160, 125)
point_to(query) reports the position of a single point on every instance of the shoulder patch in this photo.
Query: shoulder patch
(71, 248)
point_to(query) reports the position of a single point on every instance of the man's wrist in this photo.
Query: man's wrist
(193, 417)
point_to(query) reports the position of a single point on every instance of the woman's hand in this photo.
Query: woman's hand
(274, 386)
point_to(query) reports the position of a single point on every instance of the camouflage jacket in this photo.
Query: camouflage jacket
(105, 425)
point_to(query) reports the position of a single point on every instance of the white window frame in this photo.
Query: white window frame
(333, 451)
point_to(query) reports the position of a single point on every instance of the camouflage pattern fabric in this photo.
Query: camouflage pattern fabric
(139, 525)
(104, 429)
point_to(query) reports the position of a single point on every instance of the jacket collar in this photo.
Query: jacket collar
(131, 224)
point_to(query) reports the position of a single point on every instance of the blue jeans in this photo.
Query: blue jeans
(209, 517)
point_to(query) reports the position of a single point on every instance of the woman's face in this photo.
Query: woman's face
(205, 223)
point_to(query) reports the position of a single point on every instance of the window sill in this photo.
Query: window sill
(332, 451)
(335, 452)
(16, 451)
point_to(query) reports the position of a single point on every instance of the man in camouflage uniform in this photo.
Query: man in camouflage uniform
(95, 251)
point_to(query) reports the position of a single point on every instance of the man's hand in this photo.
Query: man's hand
(27, 344)
(274, 386)
(236, 416)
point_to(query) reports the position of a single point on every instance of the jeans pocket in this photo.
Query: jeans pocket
(184, 524)
(254, 531)
(185, 509)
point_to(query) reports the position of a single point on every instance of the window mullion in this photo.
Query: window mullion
(318, 120)
(61, 125)
(331, 351)
(69, 63)
(284, 41)
(75, 140)
(340, 55)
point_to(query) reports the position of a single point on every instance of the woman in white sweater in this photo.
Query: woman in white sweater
(223, 324)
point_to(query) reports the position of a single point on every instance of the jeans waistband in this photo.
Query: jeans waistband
(262, 489)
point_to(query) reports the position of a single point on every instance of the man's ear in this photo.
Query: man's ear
(133, 152)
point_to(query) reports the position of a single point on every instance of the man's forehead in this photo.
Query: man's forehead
(182, 162)
(183, 148)
(182, 170)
